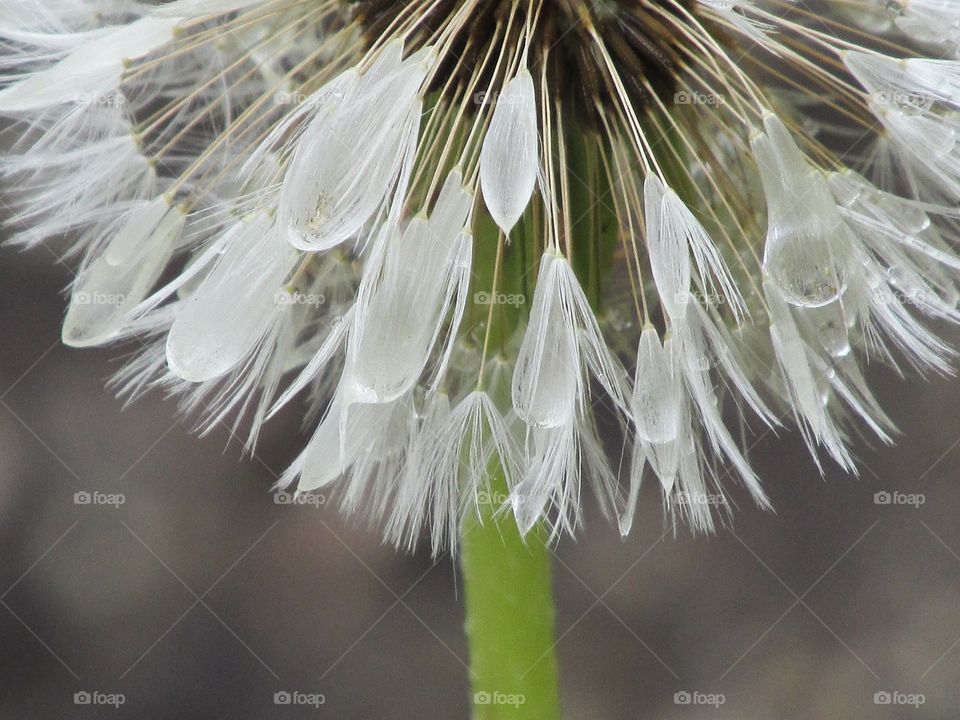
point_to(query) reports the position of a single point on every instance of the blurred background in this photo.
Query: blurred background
(182, 590)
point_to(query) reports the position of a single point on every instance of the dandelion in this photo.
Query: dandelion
(716, 214)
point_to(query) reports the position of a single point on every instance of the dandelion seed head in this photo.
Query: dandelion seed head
(455, 232)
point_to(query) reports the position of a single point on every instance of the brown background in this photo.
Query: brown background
(201, 598)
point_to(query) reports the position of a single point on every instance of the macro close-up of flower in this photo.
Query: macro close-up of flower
(512, 263)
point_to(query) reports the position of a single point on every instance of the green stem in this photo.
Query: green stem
(507, 579)
(509, 624)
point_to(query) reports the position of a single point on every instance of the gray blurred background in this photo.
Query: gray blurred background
(198, 597)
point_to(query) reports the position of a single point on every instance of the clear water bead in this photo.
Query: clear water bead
(807, 245)
(656, 402)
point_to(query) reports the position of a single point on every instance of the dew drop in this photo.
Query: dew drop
(800, 260)
(655, 402)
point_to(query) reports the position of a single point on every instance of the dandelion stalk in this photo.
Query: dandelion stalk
(510, 617)
(506, 575)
